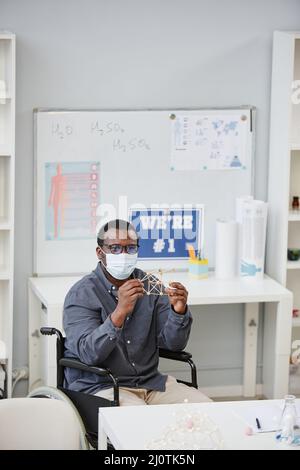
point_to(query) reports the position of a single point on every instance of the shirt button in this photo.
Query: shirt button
(110, 338)
(133, 364)
(128, 341)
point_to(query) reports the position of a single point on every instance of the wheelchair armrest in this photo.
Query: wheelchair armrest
(75, 364)
(182, 356)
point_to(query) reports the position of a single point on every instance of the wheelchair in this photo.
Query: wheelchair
(86, 404)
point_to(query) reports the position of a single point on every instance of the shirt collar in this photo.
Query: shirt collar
(107, 284)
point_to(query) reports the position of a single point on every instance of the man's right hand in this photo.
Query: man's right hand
(128, 294)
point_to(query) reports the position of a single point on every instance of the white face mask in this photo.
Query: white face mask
(120, 266)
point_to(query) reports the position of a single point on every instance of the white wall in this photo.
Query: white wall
(142, 53)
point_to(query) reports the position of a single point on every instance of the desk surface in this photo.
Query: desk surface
(52, 290)
(134, 427)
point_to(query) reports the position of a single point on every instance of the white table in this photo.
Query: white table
(46, 297)
(134, 427)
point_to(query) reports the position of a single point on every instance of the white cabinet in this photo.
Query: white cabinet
(284, 165)
(7, 190)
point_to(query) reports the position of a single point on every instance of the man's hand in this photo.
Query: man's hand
(178, 297)
(128, 294)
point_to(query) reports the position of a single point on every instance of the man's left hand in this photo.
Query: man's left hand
(178, 297)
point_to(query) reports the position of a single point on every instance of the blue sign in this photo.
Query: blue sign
(165, 233)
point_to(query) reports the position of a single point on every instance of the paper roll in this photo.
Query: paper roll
(226, 249)
(240, 201)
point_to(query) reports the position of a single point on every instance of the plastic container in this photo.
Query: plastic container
(198, 268)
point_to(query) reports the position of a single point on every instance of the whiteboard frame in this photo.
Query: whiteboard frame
(250, 108)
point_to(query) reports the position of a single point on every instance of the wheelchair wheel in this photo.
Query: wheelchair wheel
(55, 394)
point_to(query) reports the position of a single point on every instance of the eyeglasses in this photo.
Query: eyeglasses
(117, 249)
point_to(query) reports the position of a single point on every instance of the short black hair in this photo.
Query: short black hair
(117, 224)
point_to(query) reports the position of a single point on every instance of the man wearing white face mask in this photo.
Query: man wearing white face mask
(109, 322)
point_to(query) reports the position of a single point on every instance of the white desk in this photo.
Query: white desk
(46, 297)
(134, 427)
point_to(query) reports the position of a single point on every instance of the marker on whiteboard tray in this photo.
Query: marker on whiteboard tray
(191, 251)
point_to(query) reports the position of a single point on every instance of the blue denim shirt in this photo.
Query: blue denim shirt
(130, 352)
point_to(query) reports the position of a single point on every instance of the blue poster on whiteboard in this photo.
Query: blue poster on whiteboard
(165, 233)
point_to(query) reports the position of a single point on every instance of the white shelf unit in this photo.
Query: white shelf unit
(284, 163)
(296, 322)
(7, 191)
(293, 265)
(294, 216)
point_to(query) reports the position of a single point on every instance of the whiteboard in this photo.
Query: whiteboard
(127, 157)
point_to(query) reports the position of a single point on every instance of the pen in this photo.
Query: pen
(258, 423)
